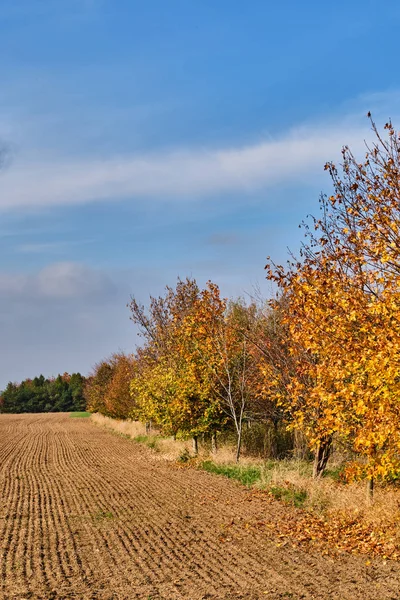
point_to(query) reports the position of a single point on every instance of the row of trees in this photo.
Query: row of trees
(61, 394)
(199, 370)
(322, 359)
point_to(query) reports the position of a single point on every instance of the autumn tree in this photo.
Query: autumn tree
(96, 385)
(343, 310)
(118, 401)
(275, 367)
(172, 384)
(232, 366)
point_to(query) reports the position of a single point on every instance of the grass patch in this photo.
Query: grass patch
(261, 476)
(292, 496)
(334, 473)
(150, 441)
(248, 475)
(80, 415)
(103, 515)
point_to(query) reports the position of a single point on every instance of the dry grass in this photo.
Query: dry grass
(166, 447)
(173, 449)
(126, 427)
(330, 499)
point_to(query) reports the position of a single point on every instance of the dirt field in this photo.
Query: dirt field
(87, 514)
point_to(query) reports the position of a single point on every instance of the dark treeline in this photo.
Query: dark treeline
(61, 394)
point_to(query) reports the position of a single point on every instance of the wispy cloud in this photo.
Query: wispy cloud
(62, 280)
(176, 175)
(49, 247)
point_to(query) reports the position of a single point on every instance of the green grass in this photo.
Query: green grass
(247, 475)
(260, 476)
(149, 440)
(334, 473)
(103, 515)
(80, 415)
(289, 495)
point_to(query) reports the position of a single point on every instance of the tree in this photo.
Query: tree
(172, 384)
(228, 360)
(117, 397)
(274, 366)
(97, 384)
(76, 384)
(343, 310)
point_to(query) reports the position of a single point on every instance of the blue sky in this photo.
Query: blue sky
(150, 140)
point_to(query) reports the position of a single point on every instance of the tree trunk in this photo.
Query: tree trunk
(214, 445)
(321, 456)
(239, 445)
(148, 427)
(370, 490)
(274, 440)
(195, 443)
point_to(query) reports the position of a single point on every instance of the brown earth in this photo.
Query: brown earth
(87, 514)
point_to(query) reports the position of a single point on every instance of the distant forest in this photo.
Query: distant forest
(61, 394)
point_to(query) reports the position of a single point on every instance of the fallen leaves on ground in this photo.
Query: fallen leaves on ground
(333, 533)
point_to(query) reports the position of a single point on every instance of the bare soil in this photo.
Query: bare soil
(87, 514)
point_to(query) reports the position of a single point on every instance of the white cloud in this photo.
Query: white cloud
(176, 175)
(69, 280)
(46, 171)
(62, 280)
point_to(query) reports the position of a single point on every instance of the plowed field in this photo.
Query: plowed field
(87, 514)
